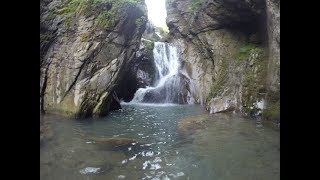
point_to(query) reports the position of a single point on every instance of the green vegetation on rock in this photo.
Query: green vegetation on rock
(106, 19)
(140, 21)
(217, 86)
(272, 111)
(254, 79)
(85, 37)
(149, 45)
(66, 108)
(51, 15)
(196, 4)
(107, 11)
(247, 50)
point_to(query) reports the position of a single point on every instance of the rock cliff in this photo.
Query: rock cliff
(230, 53)
(84, 49)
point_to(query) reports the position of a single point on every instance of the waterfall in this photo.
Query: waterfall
(167, 87)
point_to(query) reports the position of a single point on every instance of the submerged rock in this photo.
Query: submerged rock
(189, 125)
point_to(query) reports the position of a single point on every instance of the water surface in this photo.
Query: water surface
(230, 147)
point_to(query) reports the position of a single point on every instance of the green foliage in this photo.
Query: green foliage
(149, 45)
(248, 50)
(68, 22)
(98, 2)
(148, 48)
(106, 19)
(85, 37)
(254, 79)
(69, 9)
(51, 15)
(196, 4)
(244, 52)
(140, 21)
(272, 112)
(220, 81)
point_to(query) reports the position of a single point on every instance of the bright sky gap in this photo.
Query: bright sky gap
(157, 12)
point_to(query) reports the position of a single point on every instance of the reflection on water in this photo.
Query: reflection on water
(229, 148)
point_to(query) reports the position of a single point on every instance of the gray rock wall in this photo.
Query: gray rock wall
(81, 68)
(228, 53)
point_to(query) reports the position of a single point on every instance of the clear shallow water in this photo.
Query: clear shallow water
(229, 148)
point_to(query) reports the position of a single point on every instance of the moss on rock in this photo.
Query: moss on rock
(272, 111)
(217, 87)
(254, 80)
(85, 37)
(106, 11)
(140, 21)
(248, 51)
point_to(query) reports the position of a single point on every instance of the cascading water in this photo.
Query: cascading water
(167, 88)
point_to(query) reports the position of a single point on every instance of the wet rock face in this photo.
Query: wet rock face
(83, 54)
(191, 17)
(140, 72)
(273, 79)
(229, 50)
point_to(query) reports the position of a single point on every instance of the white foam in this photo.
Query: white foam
(180, 174)
(157, 159)
(89, 170)
(150, 104)
(260, 104)
(145, 164)
(121, 176)
(155, 166)
(124, 161)
(133, 157)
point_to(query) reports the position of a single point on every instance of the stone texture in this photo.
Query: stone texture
(140, 72)
(213, 37)
(82, 64)
(273, 78)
